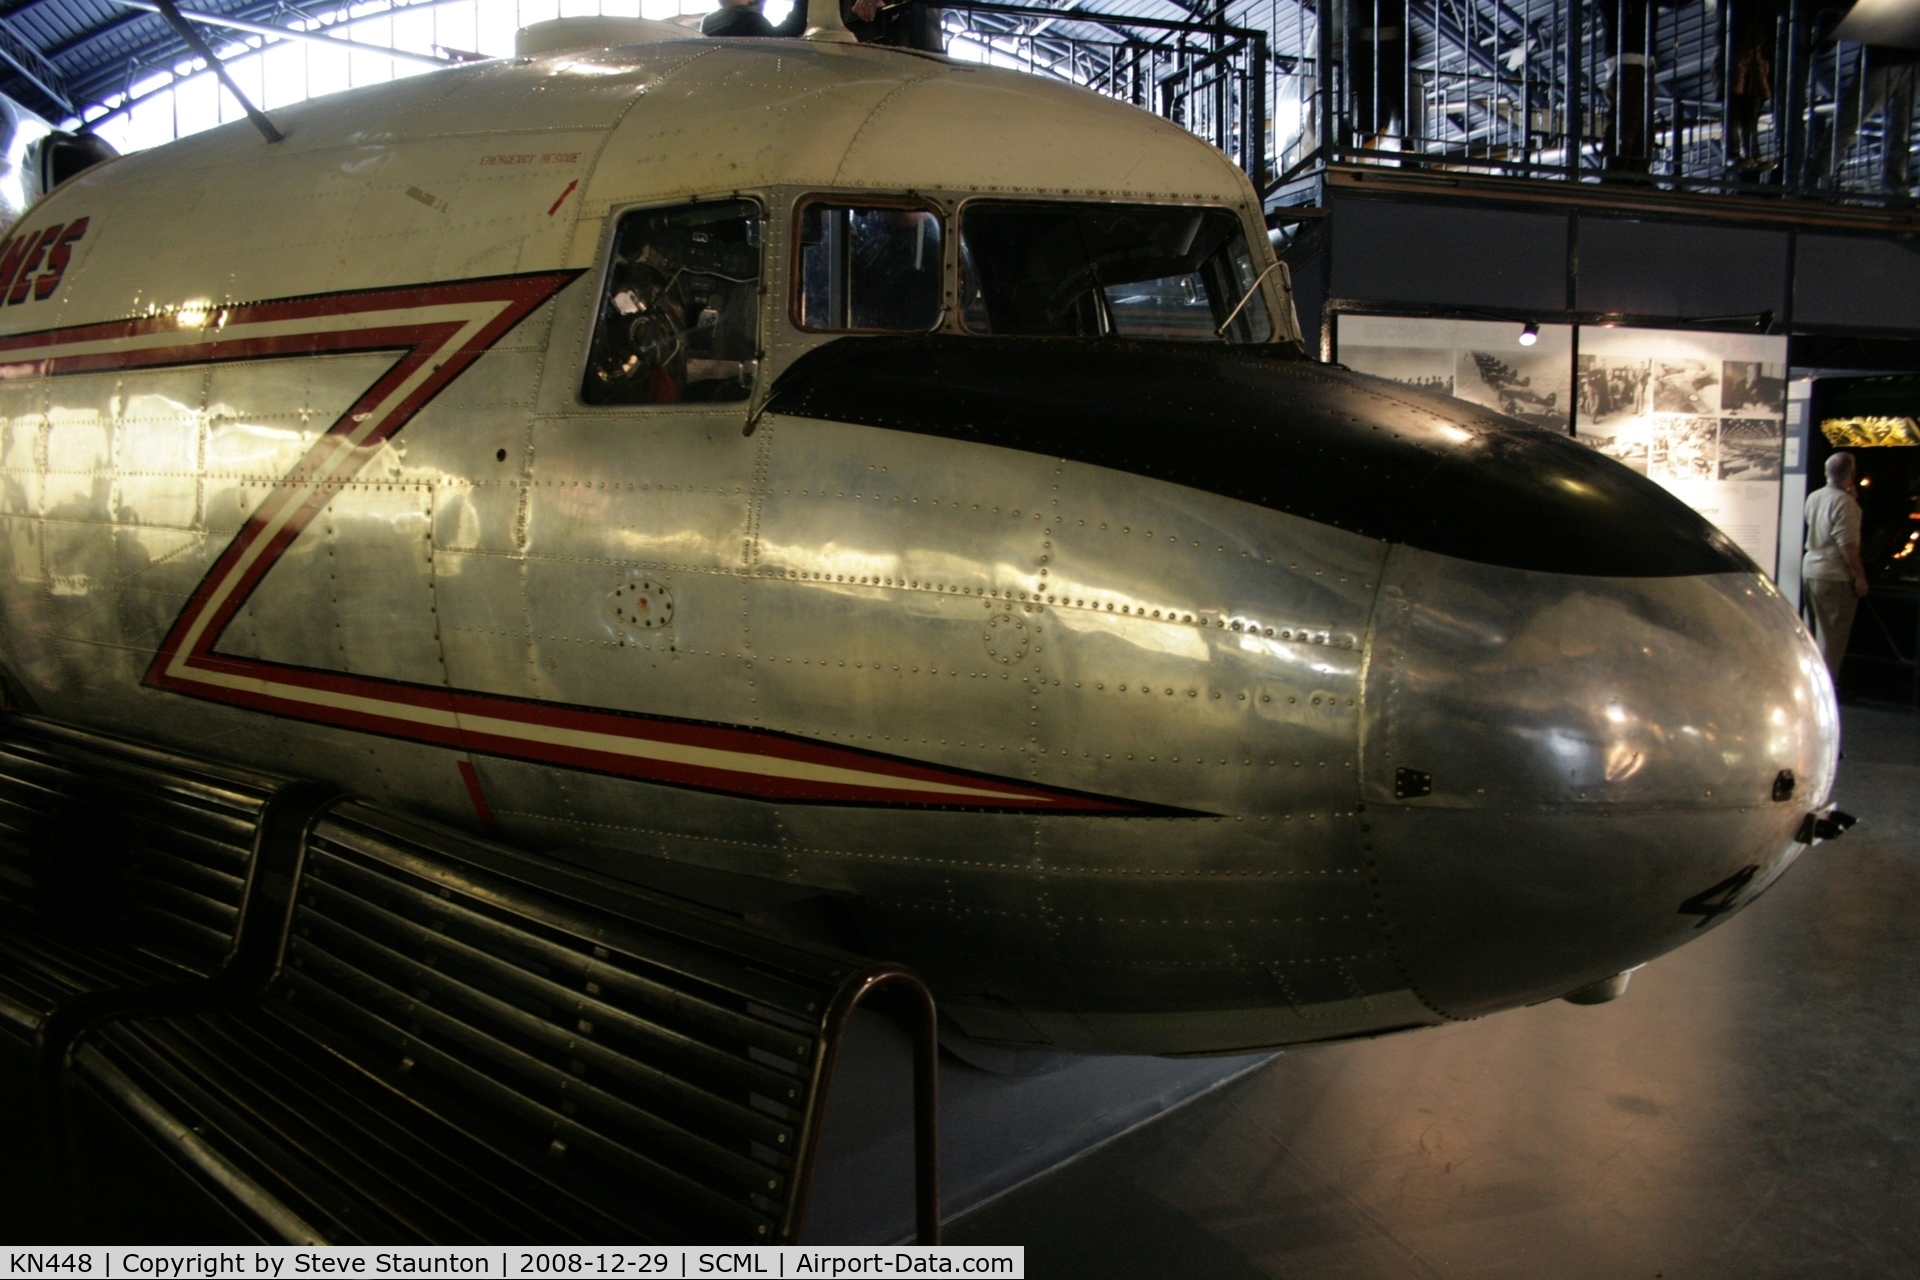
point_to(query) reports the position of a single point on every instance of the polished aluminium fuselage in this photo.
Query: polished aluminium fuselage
(1229, 677)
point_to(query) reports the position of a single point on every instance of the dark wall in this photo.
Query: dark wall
(1676, 269)
(1412, 253)
(1857, 281)
(1443, 255)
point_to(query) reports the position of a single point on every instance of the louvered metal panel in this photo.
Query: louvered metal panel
(353, 1026)
(471, 1044)
(120, 866)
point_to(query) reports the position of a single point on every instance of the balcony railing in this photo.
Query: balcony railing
(1755, 96)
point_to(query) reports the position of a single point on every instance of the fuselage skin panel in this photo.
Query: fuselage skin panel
(1112, 735)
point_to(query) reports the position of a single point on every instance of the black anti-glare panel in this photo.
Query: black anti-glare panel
(1266, 426)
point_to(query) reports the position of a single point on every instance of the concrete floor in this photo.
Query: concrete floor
(1750, 1108)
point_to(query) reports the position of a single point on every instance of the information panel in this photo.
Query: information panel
(1701, 414)
(1480, 361)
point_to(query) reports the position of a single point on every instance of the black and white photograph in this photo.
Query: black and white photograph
(1753, 389)
(1624, 440)
(1686, 385)
(1533, 386)
(1683, 447)
(1751, 448)
(1612, 389)
(1428, 368)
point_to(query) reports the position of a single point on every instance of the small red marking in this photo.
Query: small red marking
(32, 264)
(563, 197)
(479, 797)
(58, 259)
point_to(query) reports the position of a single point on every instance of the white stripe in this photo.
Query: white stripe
(321, 464)
(742, 762)
(293, 498)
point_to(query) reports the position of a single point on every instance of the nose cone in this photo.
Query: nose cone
(1566, 776)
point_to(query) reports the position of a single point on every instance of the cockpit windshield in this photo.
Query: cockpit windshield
(1102, 270)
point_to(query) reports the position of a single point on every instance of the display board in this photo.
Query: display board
(1480, 361)
(1701, 414)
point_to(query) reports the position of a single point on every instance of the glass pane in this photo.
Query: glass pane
(680, 318)
(871, 269)
(1130, 271)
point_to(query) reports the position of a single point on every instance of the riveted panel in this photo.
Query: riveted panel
(1508, 925)
(156, 571)
(651, 491)
(79, 467)
(485, 636)
(885, 669)
(354, 592)
(693, 669)
(459, 436)
(23, 423)
(22, 562)
(867, 506)
(595, 820)
(81, 572)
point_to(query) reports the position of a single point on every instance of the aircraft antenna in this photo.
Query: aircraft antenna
(185, 30)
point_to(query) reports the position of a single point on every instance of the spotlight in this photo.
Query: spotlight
(1529, 334)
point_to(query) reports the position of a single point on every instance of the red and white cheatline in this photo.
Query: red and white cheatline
(437, 332)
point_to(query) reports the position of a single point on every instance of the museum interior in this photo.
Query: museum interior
(1680, 237)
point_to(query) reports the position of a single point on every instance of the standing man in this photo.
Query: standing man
(1831, 568)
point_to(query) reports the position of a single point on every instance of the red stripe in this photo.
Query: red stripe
(631, 727)
(479, 797)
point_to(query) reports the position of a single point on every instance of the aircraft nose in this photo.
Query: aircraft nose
(1566, 776)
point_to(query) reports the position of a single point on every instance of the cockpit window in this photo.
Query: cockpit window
(679, 319)
(1094, 270)
(867, 269)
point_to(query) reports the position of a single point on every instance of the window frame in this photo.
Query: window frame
(596, 300)
(1277, 328)
(796, 270)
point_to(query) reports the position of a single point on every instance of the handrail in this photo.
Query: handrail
(1615, 93)
(922, 1024)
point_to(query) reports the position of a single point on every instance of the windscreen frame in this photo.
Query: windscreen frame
(911, 202)
(595, 298)
(1279, 311)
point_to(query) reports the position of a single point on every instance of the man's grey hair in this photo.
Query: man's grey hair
(1839, 468)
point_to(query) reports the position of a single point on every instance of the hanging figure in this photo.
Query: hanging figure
(1627, 150)
(1377, 72)
(1752, 30)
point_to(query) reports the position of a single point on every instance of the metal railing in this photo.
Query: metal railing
(1755, 96)
(1210, 78)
